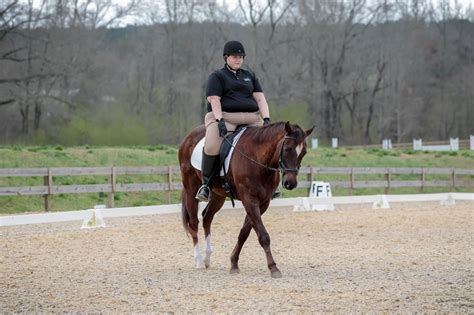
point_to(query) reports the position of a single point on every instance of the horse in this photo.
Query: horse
(260, 155)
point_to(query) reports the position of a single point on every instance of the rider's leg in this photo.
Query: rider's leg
(207, 166)
(210, 156)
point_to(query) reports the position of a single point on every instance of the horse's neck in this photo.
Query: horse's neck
(271, 145)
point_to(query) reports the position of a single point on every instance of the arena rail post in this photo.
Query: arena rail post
(422, 179)
(48, 181)
(453, 180)
(170, 183)
(351, 181)
(309, 178)
(387, 181)
(111, 194)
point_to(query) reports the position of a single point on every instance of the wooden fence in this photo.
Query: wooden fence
(352, 178)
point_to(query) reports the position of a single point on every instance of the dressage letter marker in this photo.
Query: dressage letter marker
(321, 190)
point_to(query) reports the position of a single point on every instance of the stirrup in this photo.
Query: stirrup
(203, 193)
(276, 194)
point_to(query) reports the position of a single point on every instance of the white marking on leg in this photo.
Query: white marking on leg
(209, 250)
(198, 258)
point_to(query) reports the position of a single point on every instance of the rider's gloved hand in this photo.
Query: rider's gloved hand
(221, 126)
(266, 121)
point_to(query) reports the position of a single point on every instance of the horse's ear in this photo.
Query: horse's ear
(288, 127)
(308, 131)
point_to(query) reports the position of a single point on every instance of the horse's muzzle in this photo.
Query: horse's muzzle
(289, 184)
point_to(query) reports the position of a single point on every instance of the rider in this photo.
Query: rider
(234, 97)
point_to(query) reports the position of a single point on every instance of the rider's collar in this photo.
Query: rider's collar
(229, 68)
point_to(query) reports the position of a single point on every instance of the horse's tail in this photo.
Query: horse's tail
(184, 213)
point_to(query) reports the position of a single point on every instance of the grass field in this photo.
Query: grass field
(58, 156)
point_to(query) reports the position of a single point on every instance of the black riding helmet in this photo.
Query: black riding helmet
(235, 48)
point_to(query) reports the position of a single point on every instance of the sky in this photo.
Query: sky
(233, 3)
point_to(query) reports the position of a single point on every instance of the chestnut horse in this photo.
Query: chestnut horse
(260, 155)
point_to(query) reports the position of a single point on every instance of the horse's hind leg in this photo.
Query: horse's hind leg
(191, 206)
(243, 235)
(214, 205)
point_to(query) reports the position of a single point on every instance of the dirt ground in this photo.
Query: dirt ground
(410, 258)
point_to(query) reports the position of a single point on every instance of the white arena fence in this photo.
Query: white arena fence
(95, 217)
(453, 144)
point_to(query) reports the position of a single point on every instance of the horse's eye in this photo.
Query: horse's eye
(287, 150)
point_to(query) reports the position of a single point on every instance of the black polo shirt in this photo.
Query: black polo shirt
(234, 89)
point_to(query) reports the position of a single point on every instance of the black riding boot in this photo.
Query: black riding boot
(208, 165)
(276, 194)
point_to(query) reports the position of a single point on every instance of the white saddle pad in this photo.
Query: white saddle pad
(196, 157)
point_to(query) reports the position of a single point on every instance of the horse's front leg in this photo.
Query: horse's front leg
(253, 211)
(214, 205)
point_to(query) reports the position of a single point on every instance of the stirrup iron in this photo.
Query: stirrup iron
(203, 193)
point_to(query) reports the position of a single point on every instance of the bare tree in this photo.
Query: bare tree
(254, 12)
(335, 26)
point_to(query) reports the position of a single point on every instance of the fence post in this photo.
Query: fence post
(170, 183)
(351, 180)
(454, 144)
(422, 179)
(387, 180)
(387, 144)
(48, 180)
(111, 195)
(309, 178)
(453, 180)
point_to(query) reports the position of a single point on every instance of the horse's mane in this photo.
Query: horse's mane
(266, 133)
(269, 133)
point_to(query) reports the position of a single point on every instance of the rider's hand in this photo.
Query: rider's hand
(266, 121)
(221, 126)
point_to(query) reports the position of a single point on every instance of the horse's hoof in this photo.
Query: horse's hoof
(276, 274)
(207, 259)
(200, 265)
(234, 271)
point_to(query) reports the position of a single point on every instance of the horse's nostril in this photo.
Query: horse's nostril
(289, 185)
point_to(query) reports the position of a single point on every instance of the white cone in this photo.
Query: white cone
(95, 220)
(449, 201)
(382, 203)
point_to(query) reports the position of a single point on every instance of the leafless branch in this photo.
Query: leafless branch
(6, 102)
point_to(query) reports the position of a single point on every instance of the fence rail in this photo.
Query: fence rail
(452, 179)
(464, 144)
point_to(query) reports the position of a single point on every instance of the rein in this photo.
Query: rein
(282, 168)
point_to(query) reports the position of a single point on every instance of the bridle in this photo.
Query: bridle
(282, 168)
(281, 164)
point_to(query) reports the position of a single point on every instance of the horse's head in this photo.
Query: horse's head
(293, 150)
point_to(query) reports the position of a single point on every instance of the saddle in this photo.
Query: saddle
(225, 151)
(228, 144)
